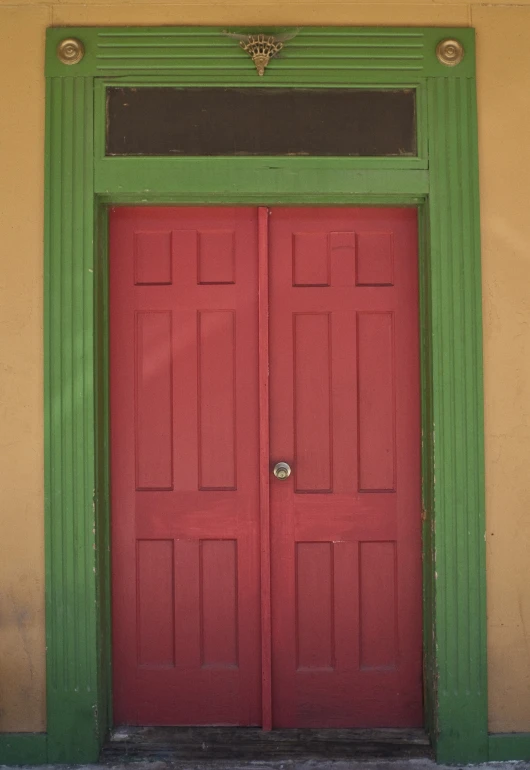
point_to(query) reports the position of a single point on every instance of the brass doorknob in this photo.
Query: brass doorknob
(282, 471)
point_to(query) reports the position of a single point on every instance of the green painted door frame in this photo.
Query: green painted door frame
(442, 181)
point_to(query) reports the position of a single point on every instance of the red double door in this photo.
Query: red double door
(241, 338)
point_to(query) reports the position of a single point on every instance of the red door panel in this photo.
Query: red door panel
(184, 438)
(345, 527)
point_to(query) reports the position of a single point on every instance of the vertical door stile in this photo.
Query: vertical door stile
(263, 366)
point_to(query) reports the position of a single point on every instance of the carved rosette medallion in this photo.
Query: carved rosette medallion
(450, 52)
(70, 50)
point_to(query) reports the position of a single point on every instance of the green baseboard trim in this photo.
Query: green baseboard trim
(506, 746)
(23, 748)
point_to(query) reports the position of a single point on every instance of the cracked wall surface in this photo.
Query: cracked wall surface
(503, 58)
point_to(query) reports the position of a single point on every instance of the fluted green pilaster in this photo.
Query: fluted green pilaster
(71, 559)
(456, 430)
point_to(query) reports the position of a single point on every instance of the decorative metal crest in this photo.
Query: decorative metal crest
(261, 48)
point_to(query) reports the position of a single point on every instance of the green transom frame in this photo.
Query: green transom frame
(442, 181)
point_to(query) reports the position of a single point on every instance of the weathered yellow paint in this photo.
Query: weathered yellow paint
(504, 60)
(504, 115)
(254, 12)
(22, 701)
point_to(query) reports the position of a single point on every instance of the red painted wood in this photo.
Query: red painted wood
(263, 364)
(238, 598)
(378, 621)
(314, 587)
(156, 584)
(346, 526)
(154, 425)
(216, 349)
(185, 466)
(376, 400)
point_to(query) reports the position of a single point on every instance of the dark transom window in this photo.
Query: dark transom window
(163, 121)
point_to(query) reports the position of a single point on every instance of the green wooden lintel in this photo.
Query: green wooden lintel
(314, 54)
(265, 180)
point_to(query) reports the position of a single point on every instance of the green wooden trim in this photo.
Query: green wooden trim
(248, 177)
(504, 747)
(108, 166)
(23, 748)
(429, 650)
(419, 161)
(457, 430)
(72, 624)
(80, 183)
(102, 439)
(324, 55)
(309, 199)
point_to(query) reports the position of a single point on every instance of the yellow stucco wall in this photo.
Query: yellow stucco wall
(503, 31)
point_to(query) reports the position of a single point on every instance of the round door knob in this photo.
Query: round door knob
(282, 471)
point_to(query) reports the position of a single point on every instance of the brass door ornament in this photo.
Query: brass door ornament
(261, 48)
(450, 52)
(70, 50)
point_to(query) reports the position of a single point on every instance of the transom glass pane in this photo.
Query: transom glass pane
(163, 121)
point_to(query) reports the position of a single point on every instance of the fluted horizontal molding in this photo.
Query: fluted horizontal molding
(310, 55)
(203, 53)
